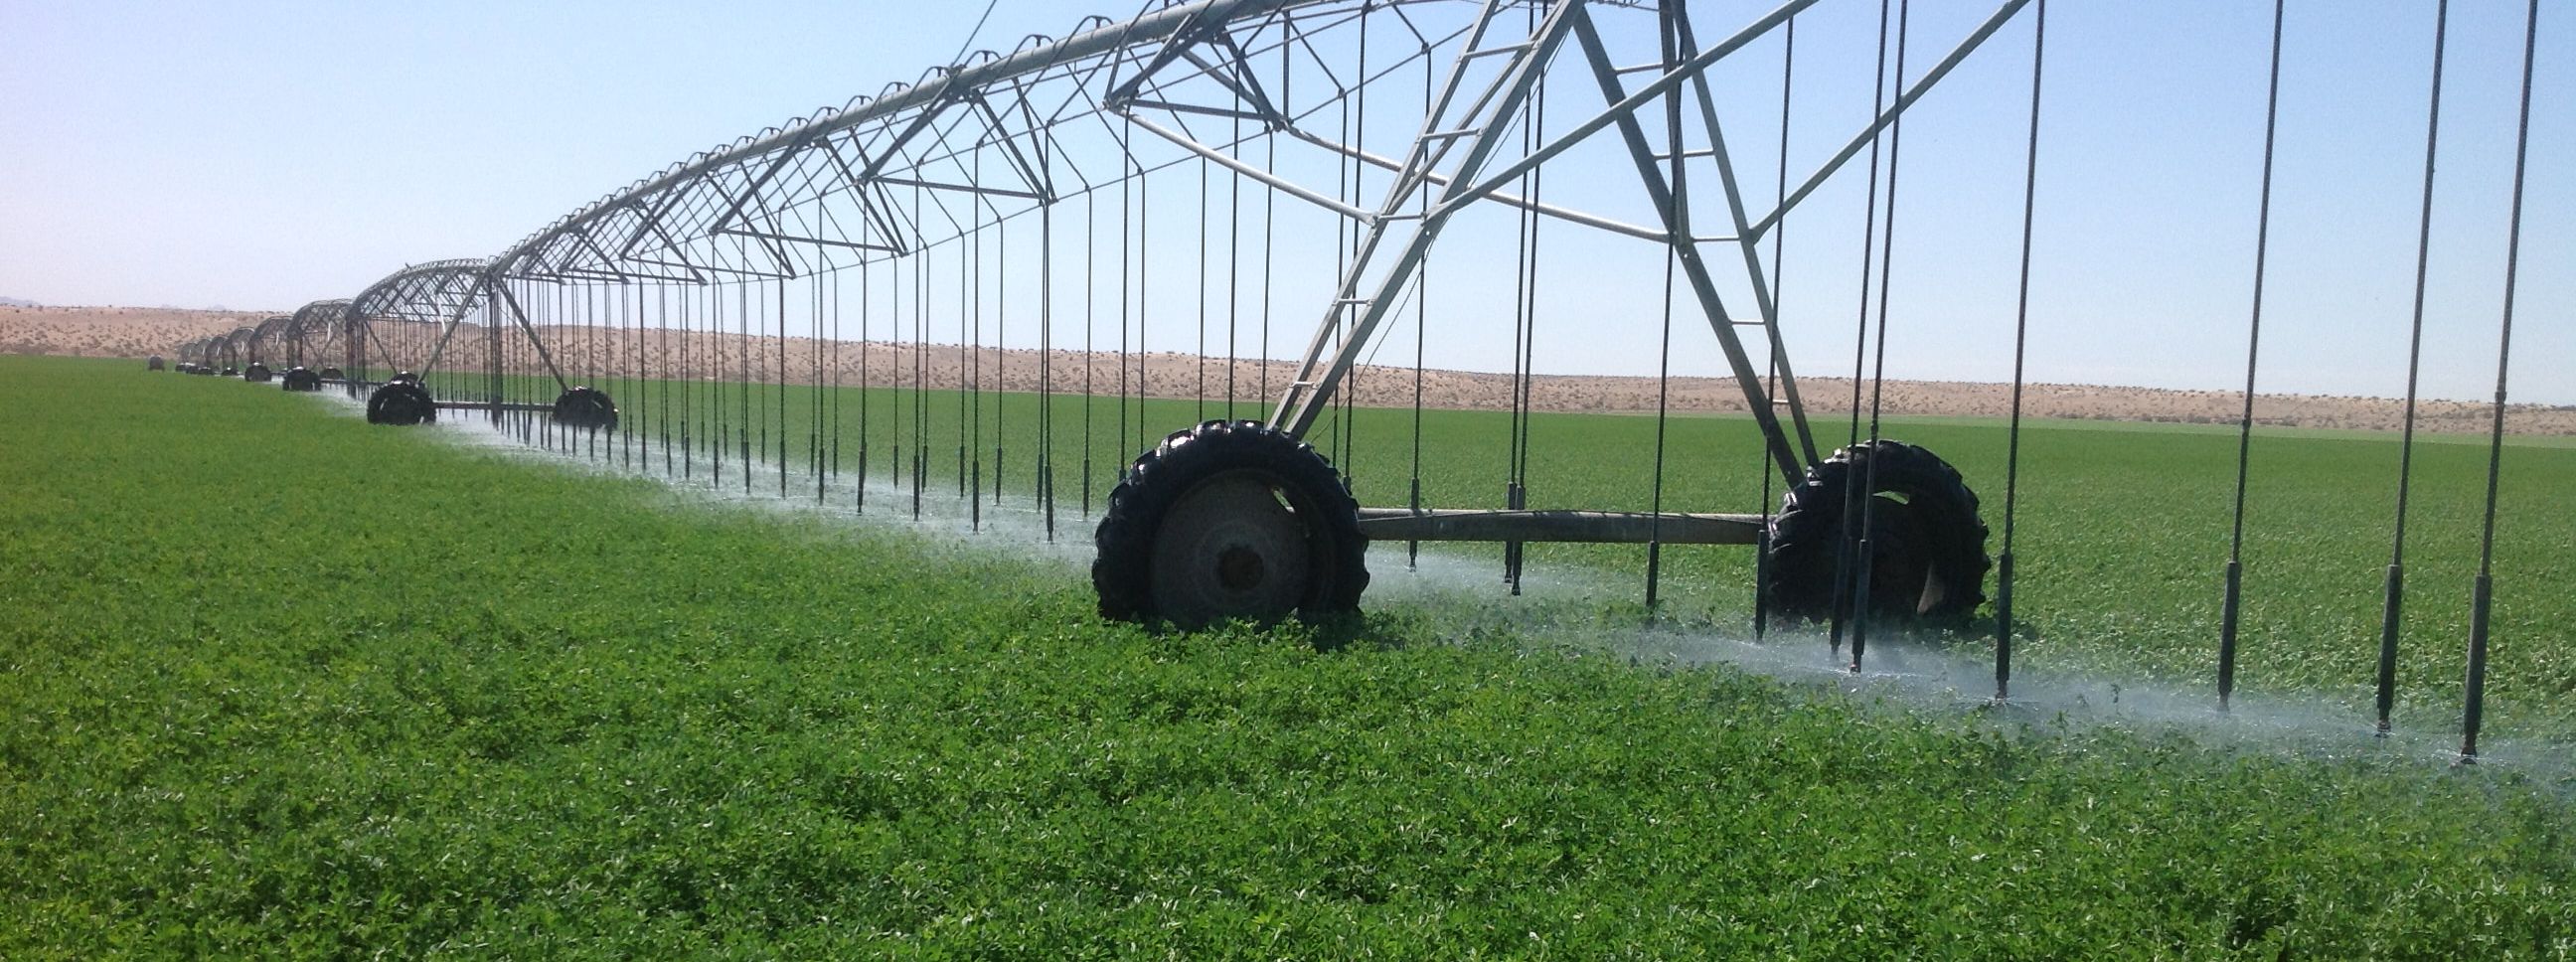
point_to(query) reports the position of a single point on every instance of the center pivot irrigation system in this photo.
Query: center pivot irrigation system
(1094, 231)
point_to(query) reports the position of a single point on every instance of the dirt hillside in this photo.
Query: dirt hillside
(138, 332)
(135, 332)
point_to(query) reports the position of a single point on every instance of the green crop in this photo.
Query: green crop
(278, 683)
(2122, 539)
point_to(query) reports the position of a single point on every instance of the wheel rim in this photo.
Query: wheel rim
(1230, 548)
(585, 407)
(401, 403)
(1906, 584)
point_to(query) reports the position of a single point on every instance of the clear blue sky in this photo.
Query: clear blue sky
(260, 155)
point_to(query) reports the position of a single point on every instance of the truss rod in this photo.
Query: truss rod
(1566, 214)
(534, 341)
(1642, 96)
(1310, 389)
(1765, 305)
(456, 318)
(2002, 15)
(1160, 24)
(1230, 163)
(1676, 212)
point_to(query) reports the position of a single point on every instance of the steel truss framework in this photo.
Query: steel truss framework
(994, 139)
(268, 342)
(1227, 83)
(313, 334)
(899, 193)
(403, 322)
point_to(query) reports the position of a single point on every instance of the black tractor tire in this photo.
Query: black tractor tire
(301, 379)
(155, 363)
(586, 408)
(232, 372)
(401, 403)
(333, 374)
(1928, 558)
(1229, 520)
(257, 373)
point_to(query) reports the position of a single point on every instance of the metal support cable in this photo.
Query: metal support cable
(1779, 255)
(661, 384)
(966, 420)
(1144, 283)
(1878, 366)
(686, 458)
(2229, 614)
(920, 369)
(632, 353)
(817, 455)
(1090, 311)
(1046, 366)
(970, 368)
(2393, 592)
(570, 305)
(747, 357)
(867, 387)
(1529, 339)
(1001, 335)
(1522, 308)
(1421, 333)
(1679, 217)
(593, 372)
(1346, 401)
(910, 358)
(1269, 246)
(1844, 542)
(1126, 278)
(2482, 592)
(2021, 344)
(780, 333)
(1525, 342)
(1199, 392)
(899, 462)
(1233, 273)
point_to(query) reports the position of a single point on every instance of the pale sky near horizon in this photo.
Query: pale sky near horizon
(259, 155)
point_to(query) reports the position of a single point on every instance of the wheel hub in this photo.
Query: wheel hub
(1229, 549)
(1239, 568)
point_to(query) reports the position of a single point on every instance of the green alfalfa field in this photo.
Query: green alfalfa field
(2123, 528)
(280, 683)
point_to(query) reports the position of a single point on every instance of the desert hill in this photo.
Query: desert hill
(139, 332)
